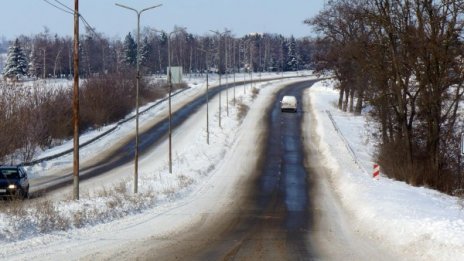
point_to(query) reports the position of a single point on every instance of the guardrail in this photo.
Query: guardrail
(347, 144)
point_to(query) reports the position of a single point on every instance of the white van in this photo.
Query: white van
(288, 103)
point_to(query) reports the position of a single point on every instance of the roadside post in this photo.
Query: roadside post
(376, 173)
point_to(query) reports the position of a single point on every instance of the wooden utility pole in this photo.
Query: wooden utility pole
(76, 102)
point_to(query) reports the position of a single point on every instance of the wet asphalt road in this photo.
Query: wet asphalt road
(275, 222)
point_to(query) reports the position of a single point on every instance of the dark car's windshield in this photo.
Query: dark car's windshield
(9, 174)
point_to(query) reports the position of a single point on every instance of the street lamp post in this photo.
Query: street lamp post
(234, 66)
(219, 67)
(170, 92)
(251, 65)
(207, 94)
(136, 153)
(76, 118)
(227, 76)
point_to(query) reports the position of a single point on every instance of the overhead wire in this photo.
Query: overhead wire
(59, 8)
(64, 8)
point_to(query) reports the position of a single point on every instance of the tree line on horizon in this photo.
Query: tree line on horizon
(50, 56)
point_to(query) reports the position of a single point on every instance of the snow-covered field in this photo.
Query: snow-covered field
(416, 223)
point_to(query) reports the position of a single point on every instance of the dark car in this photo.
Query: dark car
(13, 182)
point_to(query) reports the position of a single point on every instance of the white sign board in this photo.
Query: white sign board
(176, 74)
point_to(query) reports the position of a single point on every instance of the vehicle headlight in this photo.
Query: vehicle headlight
(12, 186)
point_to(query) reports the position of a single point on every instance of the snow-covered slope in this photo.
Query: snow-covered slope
(415, 222)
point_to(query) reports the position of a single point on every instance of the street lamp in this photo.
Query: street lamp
(136, 156)
(170, 90)
(249, 43)
(219, 67)
(207, 94)
(234, 66)
(76, 117)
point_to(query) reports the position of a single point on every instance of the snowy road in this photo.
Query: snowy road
(209, 206)
(273, 211)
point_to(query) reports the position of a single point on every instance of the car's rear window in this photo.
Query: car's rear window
(9, 174)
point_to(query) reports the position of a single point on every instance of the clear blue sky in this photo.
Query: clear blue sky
(199, 16)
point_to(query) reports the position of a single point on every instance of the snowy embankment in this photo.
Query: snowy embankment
(414, 222)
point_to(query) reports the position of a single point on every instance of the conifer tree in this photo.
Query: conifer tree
(145, 51)
(292, 58)
(16, 62)
(130, 50)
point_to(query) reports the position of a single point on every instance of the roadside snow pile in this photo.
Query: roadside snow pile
(417, 221)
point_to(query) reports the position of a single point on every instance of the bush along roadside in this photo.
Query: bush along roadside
(37, 117)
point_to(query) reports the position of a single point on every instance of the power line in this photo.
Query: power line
(59, 8)
(65, 6)
(71, 11)
(87, 25)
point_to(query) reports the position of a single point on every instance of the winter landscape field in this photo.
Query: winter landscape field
(169, 136)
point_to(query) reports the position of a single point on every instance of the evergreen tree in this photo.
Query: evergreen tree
(145, 52)
(130, 50)
(16, 63)
(292, 58)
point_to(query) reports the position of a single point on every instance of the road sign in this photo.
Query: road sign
(176, 74)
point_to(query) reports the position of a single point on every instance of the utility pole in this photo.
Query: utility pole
(76, 103)
(136, 153)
